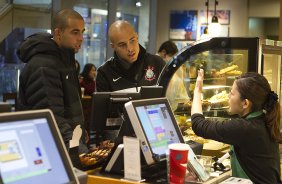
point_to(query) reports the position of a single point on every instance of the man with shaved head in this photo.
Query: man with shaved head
(49, 78)
(131, 66)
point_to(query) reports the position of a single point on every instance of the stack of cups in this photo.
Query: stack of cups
(177, 162)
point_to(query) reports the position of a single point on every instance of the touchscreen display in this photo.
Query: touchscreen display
(158, 127)
(28, 153)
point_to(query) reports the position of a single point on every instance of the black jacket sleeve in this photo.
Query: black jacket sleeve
(232, 131)
(43, 89)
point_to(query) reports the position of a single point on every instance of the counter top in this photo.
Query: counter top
(97, 178)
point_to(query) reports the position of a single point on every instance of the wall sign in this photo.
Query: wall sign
(183, 25)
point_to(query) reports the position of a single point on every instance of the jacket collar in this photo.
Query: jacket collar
(253, 115)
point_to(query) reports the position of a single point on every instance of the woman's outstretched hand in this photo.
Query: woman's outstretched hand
(199, 81)
(197, 103)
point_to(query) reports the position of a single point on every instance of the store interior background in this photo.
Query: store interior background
(20, 18)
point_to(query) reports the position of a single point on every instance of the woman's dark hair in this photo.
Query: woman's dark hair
(169, 47)
(87, 68)
(255, 87)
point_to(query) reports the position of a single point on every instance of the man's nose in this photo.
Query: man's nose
(80, 37)
(130, 47)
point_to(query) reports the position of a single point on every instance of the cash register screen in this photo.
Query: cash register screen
(158, 125)
(29, 151)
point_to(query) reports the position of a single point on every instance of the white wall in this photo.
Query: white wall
(144, 23)
(17, 17)
(32, 18)
(238, 16)
(257, 27)
(264, 8)
(6, 23)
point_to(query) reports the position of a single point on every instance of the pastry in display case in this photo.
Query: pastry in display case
(222, 60)
(214, 105)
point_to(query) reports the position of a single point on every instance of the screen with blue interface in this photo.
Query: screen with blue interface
(158, 127)
(28, 153)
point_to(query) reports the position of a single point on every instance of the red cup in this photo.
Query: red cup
(178, 157)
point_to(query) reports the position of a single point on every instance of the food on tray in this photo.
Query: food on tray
(196, 139)
(186, 106)
(97, 154)
(181, 119)
(219, 100)
(184, 125)
(189, 132)
(206, 105)
(223, 95)
(234, 73)
(228, 69)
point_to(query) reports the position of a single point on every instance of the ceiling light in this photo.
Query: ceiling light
(214, 27)
(138, 4)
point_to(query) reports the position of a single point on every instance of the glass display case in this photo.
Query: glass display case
(222, 60)
(271, 66)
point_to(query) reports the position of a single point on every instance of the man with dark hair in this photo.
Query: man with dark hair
(131, 65)
(49, 78)
(167, 50)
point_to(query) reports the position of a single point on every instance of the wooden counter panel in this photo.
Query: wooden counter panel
(92, 179)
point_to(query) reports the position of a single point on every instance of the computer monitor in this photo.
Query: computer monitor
(32, 150)
(154, 125)
(107, 108)
(150, 92)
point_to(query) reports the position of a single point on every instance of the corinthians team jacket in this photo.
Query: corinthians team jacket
(112, 76)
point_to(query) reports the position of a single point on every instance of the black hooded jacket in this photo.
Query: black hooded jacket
(112, 76)
(49, 80)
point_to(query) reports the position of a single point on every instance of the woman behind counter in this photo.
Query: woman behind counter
(254, 136)
(88, 79)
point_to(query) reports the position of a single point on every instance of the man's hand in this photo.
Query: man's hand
(199, 81)
(197, 103)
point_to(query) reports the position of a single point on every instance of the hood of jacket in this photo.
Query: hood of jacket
(40, 43)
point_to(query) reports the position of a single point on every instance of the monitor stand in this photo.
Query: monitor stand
(115, 165)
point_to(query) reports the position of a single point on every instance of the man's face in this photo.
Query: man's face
(71, 36)
(126, 45)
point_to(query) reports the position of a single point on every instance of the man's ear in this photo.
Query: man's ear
(112, 45)
(57, 33)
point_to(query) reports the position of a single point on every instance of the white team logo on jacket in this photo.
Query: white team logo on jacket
(150, 75)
